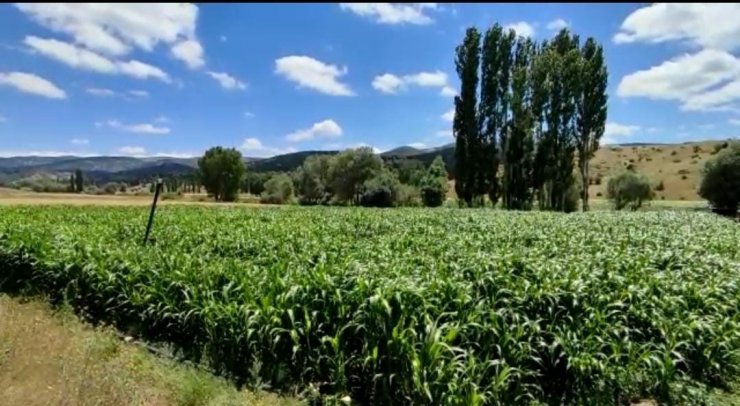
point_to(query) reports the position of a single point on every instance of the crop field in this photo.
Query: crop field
(406, 306)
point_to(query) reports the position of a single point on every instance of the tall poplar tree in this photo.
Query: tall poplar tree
(591, 109)
(496, 63)
(465, 125)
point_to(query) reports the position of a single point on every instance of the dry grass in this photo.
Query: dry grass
(51, 358)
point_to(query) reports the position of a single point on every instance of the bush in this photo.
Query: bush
(111, 188)
(660, 187)
(677, 160)
(572, 198)
(720, 184)
(408, 196)
(673, 153)
(278, 190)
(381, 190)
(719, 147)
(683, 177)
(683, 171)
(697, 149)
(628, 189)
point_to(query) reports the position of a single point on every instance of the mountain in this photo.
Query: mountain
(403, 151)
(285, 162)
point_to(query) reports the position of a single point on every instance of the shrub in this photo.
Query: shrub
(719, 147)
(572, 198)
(697, 149)
(683, 171)
(408, 196)
(434, 184)
(628, 189)
(111, 188)
(673, 153)
(278, 190)
(381, 190)
(677, 160)
(683, 177)
(720, 184)
(660, 187)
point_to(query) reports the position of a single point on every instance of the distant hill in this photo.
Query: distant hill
(285, 162)
(402, 152)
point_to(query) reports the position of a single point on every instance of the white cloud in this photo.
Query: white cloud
(391, 84)
(254, 147)
(613, 130)
(734, 121)
(144, 128)
(706, 80)
(323, 129)
(190, 52)
(95, 91)
(132, 151)
(557, 24)
(652, 130)
(248, 114)
(79, 141)
(522, 28)
(392, 13)
(33, 84)
(227, 81)
(162, 119)
(138, 93)
(387, 83)
(449, 115)
(365, 145)
(118, 29)
(703, 24)
(314, 74)
(448, 91)
(418, 145)
(80, 58)
(142, 70)
(444, 133)
(71, 55)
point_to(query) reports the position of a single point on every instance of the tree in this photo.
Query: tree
(278, 190)
(465, 126)
(721, 181)
(72, 184)
(221, 172)
(495, 99)
(434, 185)
(519, 147)
(79, 181)
(591, 109)
(628, 189)
(349, 169)
(381, 190)
(312, 180)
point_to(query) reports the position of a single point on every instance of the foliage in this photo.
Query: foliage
(278, 190)
(79, 181)
(628, 189)
(221, 172)
(434, 186)
(408, 196)
(349, 170)
(381, 190)
(721, 181)
(410, 171)
(111, 188)
(312, 180)
(406, 306)
(465, 127)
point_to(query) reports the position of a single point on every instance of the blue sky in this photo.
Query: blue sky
(171, 79)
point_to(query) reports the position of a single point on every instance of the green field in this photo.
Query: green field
(417, 306)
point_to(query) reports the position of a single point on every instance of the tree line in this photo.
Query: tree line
(525, 114)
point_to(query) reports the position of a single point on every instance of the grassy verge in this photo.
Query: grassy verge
(48, 357)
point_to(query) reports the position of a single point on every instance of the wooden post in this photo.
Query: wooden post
(154, 206)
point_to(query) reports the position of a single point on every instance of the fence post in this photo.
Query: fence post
(154, 206)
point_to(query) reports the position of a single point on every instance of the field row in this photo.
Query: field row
(409, 305)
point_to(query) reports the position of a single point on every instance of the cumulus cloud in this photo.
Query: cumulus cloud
(323, 129)
(444, 133)
(389, 83)
(118, 29)
(138, 93)
(706, 80)
(96, 91)
(254, 147)
(32, 84)
(734, 121)
(707, 25)
(448, 91)
(418, 145)
(614, 131)
(313, 74)
(522, 28)
(227, 81)
(392, 13)
(557, 24)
